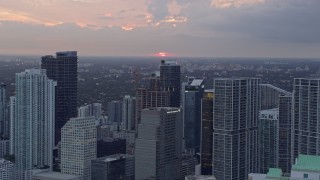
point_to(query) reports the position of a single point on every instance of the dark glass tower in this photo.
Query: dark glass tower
(63, 70)
(192, 113)
(170, 81)
(285, 122)
(206, 132)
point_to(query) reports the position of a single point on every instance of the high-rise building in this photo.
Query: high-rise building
(192, 113)
(115, 112)
(270, 96)
(268, 128)
(170, 81)
(146, 98)
(158, 145)
(94, 109)
(235, 121)
(128, 113)
(285, 123)
(117, 166)
(4, 148)
(206, 132)
(78, 146)
(12, 121)
(63, 70)
(110, 146)
(6, 170)
(4, 121)
(32, 124)
(306, 117)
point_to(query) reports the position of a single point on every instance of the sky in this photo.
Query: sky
(183, 28)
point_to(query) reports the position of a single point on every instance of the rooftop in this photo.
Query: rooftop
(307, 162)
(274, 173)
(196, 82)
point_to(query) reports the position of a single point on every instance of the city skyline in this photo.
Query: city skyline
(219, 28)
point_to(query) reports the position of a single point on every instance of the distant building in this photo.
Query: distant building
(285, 123)
(268, 131)
(170, 81)
(78, 146)
(94, 109)
(235, 127)
(32, 121)
(128, 113)
(63, 70)
(111, 146)
(158, 145)
(6, 169)
(4, 147)
(118, 166)
(306, 117)
(115, 112)
(207, 132)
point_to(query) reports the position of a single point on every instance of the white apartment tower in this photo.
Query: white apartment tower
(32, 122)
(78, 146)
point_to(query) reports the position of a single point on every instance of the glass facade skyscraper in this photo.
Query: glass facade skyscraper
(268, 128)
(285, 124)
(63, 70)
(235, 110)
(206, 132)
(192, 113)
(170, 81)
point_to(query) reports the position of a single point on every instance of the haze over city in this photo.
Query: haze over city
(206, 28)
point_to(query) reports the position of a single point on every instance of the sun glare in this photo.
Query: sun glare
(162, 54)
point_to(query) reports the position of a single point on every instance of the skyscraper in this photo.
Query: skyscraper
(33, 121)
(63, 70)
(170, 81)
(192, 113)
(78, 146)
(4, 122)
(146, 98)
(285, 124)
(206, 132)
(158, 145)
(94, 109)
(270, 96)
(128, 113)
(306, 117)
(236, 109)
(115, 112)
(268, 129)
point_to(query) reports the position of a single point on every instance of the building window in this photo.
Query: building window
(305, 175)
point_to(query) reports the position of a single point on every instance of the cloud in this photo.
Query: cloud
(233, 3)
(10, 15)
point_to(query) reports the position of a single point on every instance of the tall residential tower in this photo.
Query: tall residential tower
(33, 122)
(235, 137)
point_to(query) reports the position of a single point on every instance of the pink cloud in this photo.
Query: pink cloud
(233, 3)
